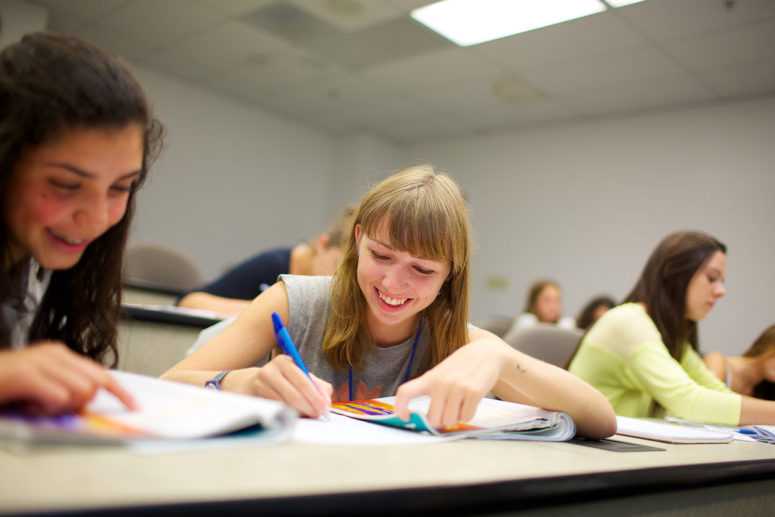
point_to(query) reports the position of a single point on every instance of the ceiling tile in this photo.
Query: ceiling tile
(234, 8)
(60, 21)
(595, 70)
(753, 42)
(279, 74)
(384, 42)
(576, 38)
(660, 19)
(125, 45)
(741, 79)
(377, 70)
(350, 15)
(229, 45)
(155, 24)
(409, 5)
(434, 69)
(472, 105)
(633, 96)
(85, 10)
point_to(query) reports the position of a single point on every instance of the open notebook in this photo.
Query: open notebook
(494, 420)
(168, 411)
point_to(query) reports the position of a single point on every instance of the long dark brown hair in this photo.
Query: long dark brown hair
(664, 281)
(50, 84)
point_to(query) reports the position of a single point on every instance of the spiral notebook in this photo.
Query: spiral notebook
(494, 420)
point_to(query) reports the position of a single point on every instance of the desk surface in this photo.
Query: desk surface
(338, 479)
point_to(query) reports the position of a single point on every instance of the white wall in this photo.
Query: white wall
(232, 180)
(360, 161)
(586, 203)
(19, 18)
(582, 203)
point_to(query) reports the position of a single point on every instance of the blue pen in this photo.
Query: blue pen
(286, 344)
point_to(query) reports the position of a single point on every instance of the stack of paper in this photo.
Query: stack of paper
(168, 411)
(662, 431)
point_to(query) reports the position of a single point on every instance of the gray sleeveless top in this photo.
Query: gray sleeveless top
(382, 370)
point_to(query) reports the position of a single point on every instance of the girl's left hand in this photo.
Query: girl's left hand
(455, 385)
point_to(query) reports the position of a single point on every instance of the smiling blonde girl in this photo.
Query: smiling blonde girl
(391, 321)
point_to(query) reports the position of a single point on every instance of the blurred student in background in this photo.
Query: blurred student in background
(235, 289)
(642, 355)
(753, 373)
(543, 305)
(77, 140)
(593, 310)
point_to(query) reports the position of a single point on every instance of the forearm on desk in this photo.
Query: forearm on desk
(756, 411)
(211, 302)
(234, 381)
(528, 380)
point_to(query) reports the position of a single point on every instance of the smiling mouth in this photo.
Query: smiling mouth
(68, 241)
(392, 302)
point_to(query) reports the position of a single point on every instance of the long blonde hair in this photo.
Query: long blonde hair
(426, 216)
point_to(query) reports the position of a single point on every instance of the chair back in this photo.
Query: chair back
(154, 265)
(498, 325)
(549, 343)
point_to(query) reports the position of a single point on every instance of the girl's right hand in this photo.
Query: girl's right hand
(48, 378)
(280, 379)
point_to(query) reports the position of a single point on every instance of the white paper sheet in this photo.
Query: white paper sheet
(343, 430)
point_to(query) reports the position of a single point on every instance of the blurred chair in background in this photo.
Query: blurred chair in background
(153, 265)
(549, 343)
(498, 325)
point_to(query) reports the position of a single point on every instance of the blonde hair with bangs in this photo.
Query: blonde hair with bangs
(426, 217)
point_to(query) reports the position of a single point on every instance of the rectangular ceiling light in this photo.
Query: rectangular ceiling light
(469, 22)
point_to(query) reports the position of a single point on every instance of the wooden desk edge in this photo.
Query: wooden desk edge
(520, 494)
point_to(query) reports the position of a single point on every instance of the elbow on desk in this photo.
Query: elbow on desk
(599, 424)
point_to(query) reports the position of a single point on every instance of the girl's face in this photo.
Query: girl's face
(64, 194)
(706, 287)
(396, 284)
(548, 305)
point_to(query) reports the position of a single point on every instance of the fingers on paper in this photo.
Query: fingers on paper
(292, 386)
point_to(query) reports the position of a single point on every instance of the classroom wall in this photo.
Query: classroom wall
(583, 203)
(232, 179)
(18, 18)
(360, 161)
(586, 203)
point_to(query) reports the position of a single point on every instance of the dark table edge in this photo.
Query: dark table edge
(156, 316)
(152, 288)
(468, 499)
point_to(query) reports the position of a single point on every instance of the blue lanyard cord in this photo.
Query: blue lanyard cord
(407, 373)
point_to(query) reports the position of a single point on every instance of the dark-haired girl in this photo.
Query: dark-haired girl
(643, 354)
(76, 139)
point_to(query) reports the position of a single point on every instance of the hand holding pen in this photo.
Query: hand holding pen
(291, 380)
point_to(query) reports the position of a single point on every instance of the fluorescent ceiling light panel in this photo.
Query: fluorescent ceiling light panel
(621, 3)
(469, 22)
